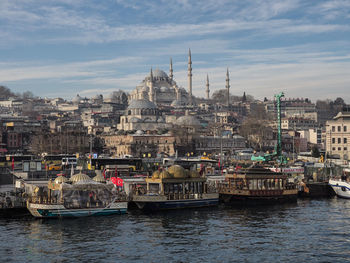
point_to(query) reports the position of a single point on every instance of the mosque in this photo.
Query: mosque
(159, 89)
(162, 89)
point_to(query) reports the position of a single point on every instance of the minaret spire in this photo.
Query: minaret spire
(228, 87)
(189, 76)
(171, 69)
(151, 90)
(207, 89)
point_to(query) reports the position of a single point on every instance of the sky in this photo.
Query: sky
(61, 48)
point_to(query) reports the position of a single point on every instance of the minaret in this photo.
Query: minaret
(207, 89)
(189, 77)
(151, 90)
(171, 69)
(228, 88)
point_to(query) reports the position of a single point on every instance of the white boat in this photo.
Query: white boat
(77, 197)
(340, 187)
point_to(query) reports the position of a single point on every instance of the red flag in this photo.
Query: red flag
(13, 164)
(120, 181)
(114, 180)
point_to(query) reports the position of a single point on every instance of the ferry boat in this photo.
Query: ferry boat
(257, 185)
(80, 196)
(175, 188)
(341, 186)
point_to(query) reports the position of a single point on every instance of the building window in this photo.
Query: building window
(339, 140)
(333, 128)
(333, 140)
(339, 148)
(345, 129)
(345, 140)
(333, 148)
(345, 148)
(339, 128)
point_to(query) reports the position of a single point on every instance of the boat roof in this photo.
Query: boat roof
(257, 173)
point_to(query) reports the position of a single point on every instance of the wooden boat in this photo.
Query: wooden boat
(175, 191)
(256, 186)
(78, 197)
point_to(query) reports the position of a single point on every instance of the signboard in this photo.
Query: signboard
(289, 170)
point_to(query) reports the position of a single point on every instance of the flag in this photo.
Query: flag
(114, 180)
(116, 172)
(119, 181)
(104, 173)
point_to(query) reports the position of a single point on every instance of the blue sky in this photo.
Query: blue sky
(63, 47)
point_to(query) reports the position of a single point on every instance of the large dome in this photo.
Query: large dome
(188, 120)
(80, 177)
(141, 104)
(159, 74)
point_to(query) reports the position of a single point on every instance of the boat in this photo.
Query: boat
(341, 186)
(175, 188)
(78, 196)
(257, 185)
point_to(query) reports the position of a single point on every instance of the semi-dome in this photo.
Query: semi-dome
(135, 119)
(60, 179)
(165, 175)
(188, 120)
(155, 174)
(159, 74)
(80, 177)
(141, 104)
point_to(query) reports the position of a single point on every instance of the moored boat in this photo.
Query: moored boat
(341, 186)
(77, 197)
(257, 186)
(175, 189)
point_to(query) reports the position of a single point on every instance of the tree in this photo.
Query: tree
(6, 93)
(315, 152)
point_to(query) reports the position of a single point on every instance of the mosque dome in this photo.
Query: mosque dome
(141, 104)
(165, 175)
(188, 120)
(61, 179)
(80, 177)
(99, 178)
(159, 74)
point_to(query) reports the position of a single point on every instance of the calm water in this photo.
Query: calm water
(310, 231)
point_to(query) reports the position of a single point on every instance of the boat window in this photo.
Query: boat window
(259, 184)
(154, 188)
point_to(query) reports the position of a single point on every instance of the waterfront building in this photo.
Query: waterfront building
(140, 144)
(338, 135)
(298, 123)
(214, 144)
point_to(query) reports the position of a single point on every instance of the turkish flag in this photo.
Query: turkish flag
(114, 180)
(120, 181)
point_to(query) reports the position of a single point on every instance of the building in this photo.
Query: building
(140, 144)
(142, 114)
(338, 135)
(160, 89)
(297, 123)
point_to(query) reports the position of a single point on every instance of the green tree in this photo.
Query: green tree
(315, 152)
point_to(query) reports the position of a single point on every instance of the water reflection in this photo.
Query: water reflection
(312, 230)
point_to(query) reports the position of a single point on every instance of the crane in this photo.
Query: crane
(277, 154)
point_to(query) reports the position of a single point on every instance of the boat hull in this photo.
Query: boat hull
(59, 211)
(341, 188)
(149, 203)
